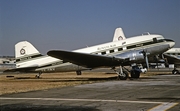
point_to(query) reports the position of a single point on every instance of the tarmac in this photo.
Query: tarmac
(153, 93)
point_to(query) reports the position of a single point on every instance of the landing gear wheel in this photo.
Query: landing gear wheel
(38, 76)
(123, 76)
(135, 74)
(175, 72)
(78, 72)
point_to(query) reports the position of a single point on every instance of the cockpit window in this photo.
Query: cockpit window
(155, 40)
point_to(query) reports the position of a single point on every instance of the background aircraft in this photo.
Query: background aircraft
(173, 57)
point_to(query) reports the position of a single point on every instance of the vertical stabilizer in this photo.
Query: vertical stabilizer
(118, 35)
(25, 49)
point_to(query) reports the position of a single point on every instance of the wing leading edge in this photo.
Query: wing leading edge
(86, 60)
(172, 59)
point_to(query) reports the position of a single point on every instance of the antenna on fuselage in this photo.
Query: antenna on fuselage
(146, 33)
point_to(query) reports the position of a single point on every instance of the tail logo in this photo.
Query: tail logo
(120, 38)
(22, 51)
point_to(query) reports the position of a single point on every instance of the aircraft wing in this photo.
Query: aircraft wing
(86, 60)
(172, 59)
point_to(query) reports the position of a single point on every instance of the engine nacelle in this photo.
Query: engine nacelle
(132, 55)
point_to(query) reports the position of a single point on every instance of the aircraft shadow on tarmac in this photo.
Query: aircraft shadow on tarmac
(82, 79)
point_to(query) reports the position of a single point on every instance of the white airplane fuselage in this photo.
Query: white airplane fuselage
(153, 44)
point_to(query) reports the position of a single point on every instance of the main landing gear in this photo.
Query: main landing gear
(123, 72)
(78, 72)
(39, 74)
(175, 71)
(135, 72)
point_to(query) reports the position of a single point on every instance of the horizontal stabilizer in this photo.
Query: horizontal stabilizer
(22, 69)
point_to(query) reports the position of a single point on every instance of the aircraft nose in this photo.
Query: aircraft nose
(171, 43)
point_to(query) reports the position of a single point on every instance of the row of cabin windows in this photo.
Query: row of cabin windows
(137, 45)
(110, 51)
(143, 44)
(147, 43)
(128, 47)
(173, 53)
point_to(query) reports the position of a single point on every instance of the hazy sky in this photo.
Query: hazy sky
(73, 24)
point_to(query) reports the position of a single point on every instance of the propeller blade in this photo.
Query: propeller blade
(147, 62)
(156, 59)
(146, 58)
(165, 61)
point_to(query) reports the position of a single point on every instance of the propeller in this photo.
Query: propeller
(156, 59)
(160, 59)
(146, 58)
(165, 60)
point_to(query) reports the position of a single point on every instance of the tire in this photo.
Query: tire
(175, 72)
(78, 72)
(124, 77)
(135, 74)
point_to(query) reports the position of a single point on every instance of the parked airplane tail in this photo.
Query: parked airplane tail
(25, 54)
(118, 35)
(25, 49)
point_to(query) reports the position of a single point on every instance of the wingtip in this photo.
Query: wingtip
(50, 52)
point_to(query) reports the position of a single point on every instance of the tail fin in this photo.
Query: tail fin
(118, 35)
(24, 53)
(25, 49)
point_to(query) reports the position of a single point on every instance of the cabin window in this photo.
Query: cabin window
(139, 45)
(130, 47)
(103, 53)
(161, 40)
(120, 49)
(111, 51)
(147, 43)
